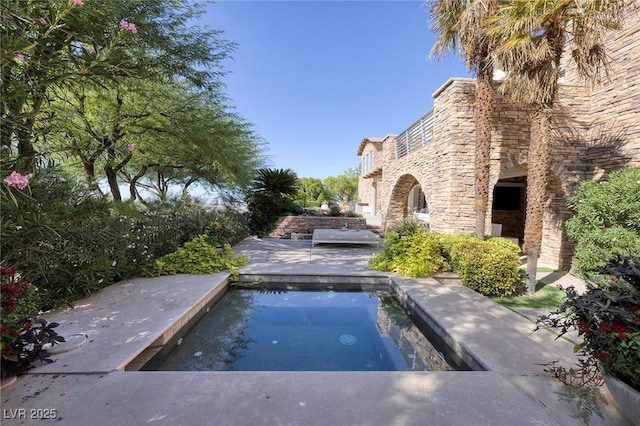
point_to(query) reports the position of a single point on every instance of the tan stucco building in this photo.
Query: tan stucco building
(428, 169)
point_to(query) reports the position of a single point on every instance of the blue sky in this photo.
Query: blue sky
(315, 77)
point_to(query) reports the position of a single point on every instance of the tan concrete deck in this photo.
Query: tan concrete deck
(88, 385)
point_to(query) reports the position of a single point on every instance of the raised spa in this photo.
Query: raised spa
(282, 328)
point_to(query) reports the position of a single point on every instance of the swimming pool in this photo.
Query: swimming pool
(319, 328)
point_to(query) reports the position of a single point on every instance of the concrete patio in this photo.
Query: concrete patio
(128, 322)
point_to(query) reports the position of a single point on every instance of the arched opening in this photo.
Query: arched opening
(417, 204)
(399, 201)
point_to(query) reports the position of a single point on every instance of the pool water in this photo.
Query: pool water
(276, 330)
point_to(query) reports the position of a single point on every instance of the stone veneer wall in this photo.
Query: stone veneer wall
(611, 115)
(597, 129)
(443, 168)
(365, 194)
(365, 186)
(306, 224)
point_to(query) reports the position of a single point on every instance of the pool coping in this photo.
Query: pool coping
(89, 383)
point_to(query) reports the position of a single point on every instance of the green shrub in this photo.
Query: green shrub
(607, 220)
(392, 248)
(335, 210)
(410, 226)
(447, 243)
(228, 226)
(164, 226)
(160, 228)
(490, 267)
(415, 255)
(71, 242)
(264, 210)
(351, 213)
(60, 235)
(197, 257)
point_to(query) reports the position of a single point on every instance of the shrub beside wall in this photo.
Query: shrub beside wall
(69, 243)
(607, 220)
(413, 255)
(490, 267)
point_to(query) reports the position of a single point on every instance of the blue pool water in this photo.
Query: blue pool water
(274, 330)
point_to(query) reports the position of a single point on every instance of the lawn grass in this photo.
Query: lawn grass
(546, 297)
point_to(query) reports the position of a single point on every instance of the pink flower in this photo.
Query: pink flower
(5, 16)
(42, 20)
(19, 57)
(77, 2)
(16, 180)
(128, 26)
(130, 147)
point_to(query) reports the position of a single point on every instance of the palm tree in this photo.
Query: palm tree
(270, 196)
(533, 36)
(276, 182)
(464, 23)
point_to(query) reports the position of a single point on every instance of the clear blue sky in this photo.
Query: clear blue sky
(316, 77)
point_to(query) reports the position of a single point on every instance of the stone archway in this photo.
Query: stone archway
(398, 200)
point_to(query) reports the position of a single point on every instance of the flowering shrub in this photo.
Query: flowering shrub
(60, 236)
(22, 341)
(607, 316)
(12, 291)
(16, 180)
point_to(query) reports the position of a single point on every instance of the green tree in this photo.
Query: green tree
(533, 35)
(276, 182)
(155, 136)
(60, 44)
(311, 192)
(465, 23)
(270, 196)
(343, 188)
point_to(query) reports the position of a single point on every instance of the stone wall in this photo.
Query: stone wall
(443, 168)
(367, 195)
(596, 129)
(288, 225)
(611, 116)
